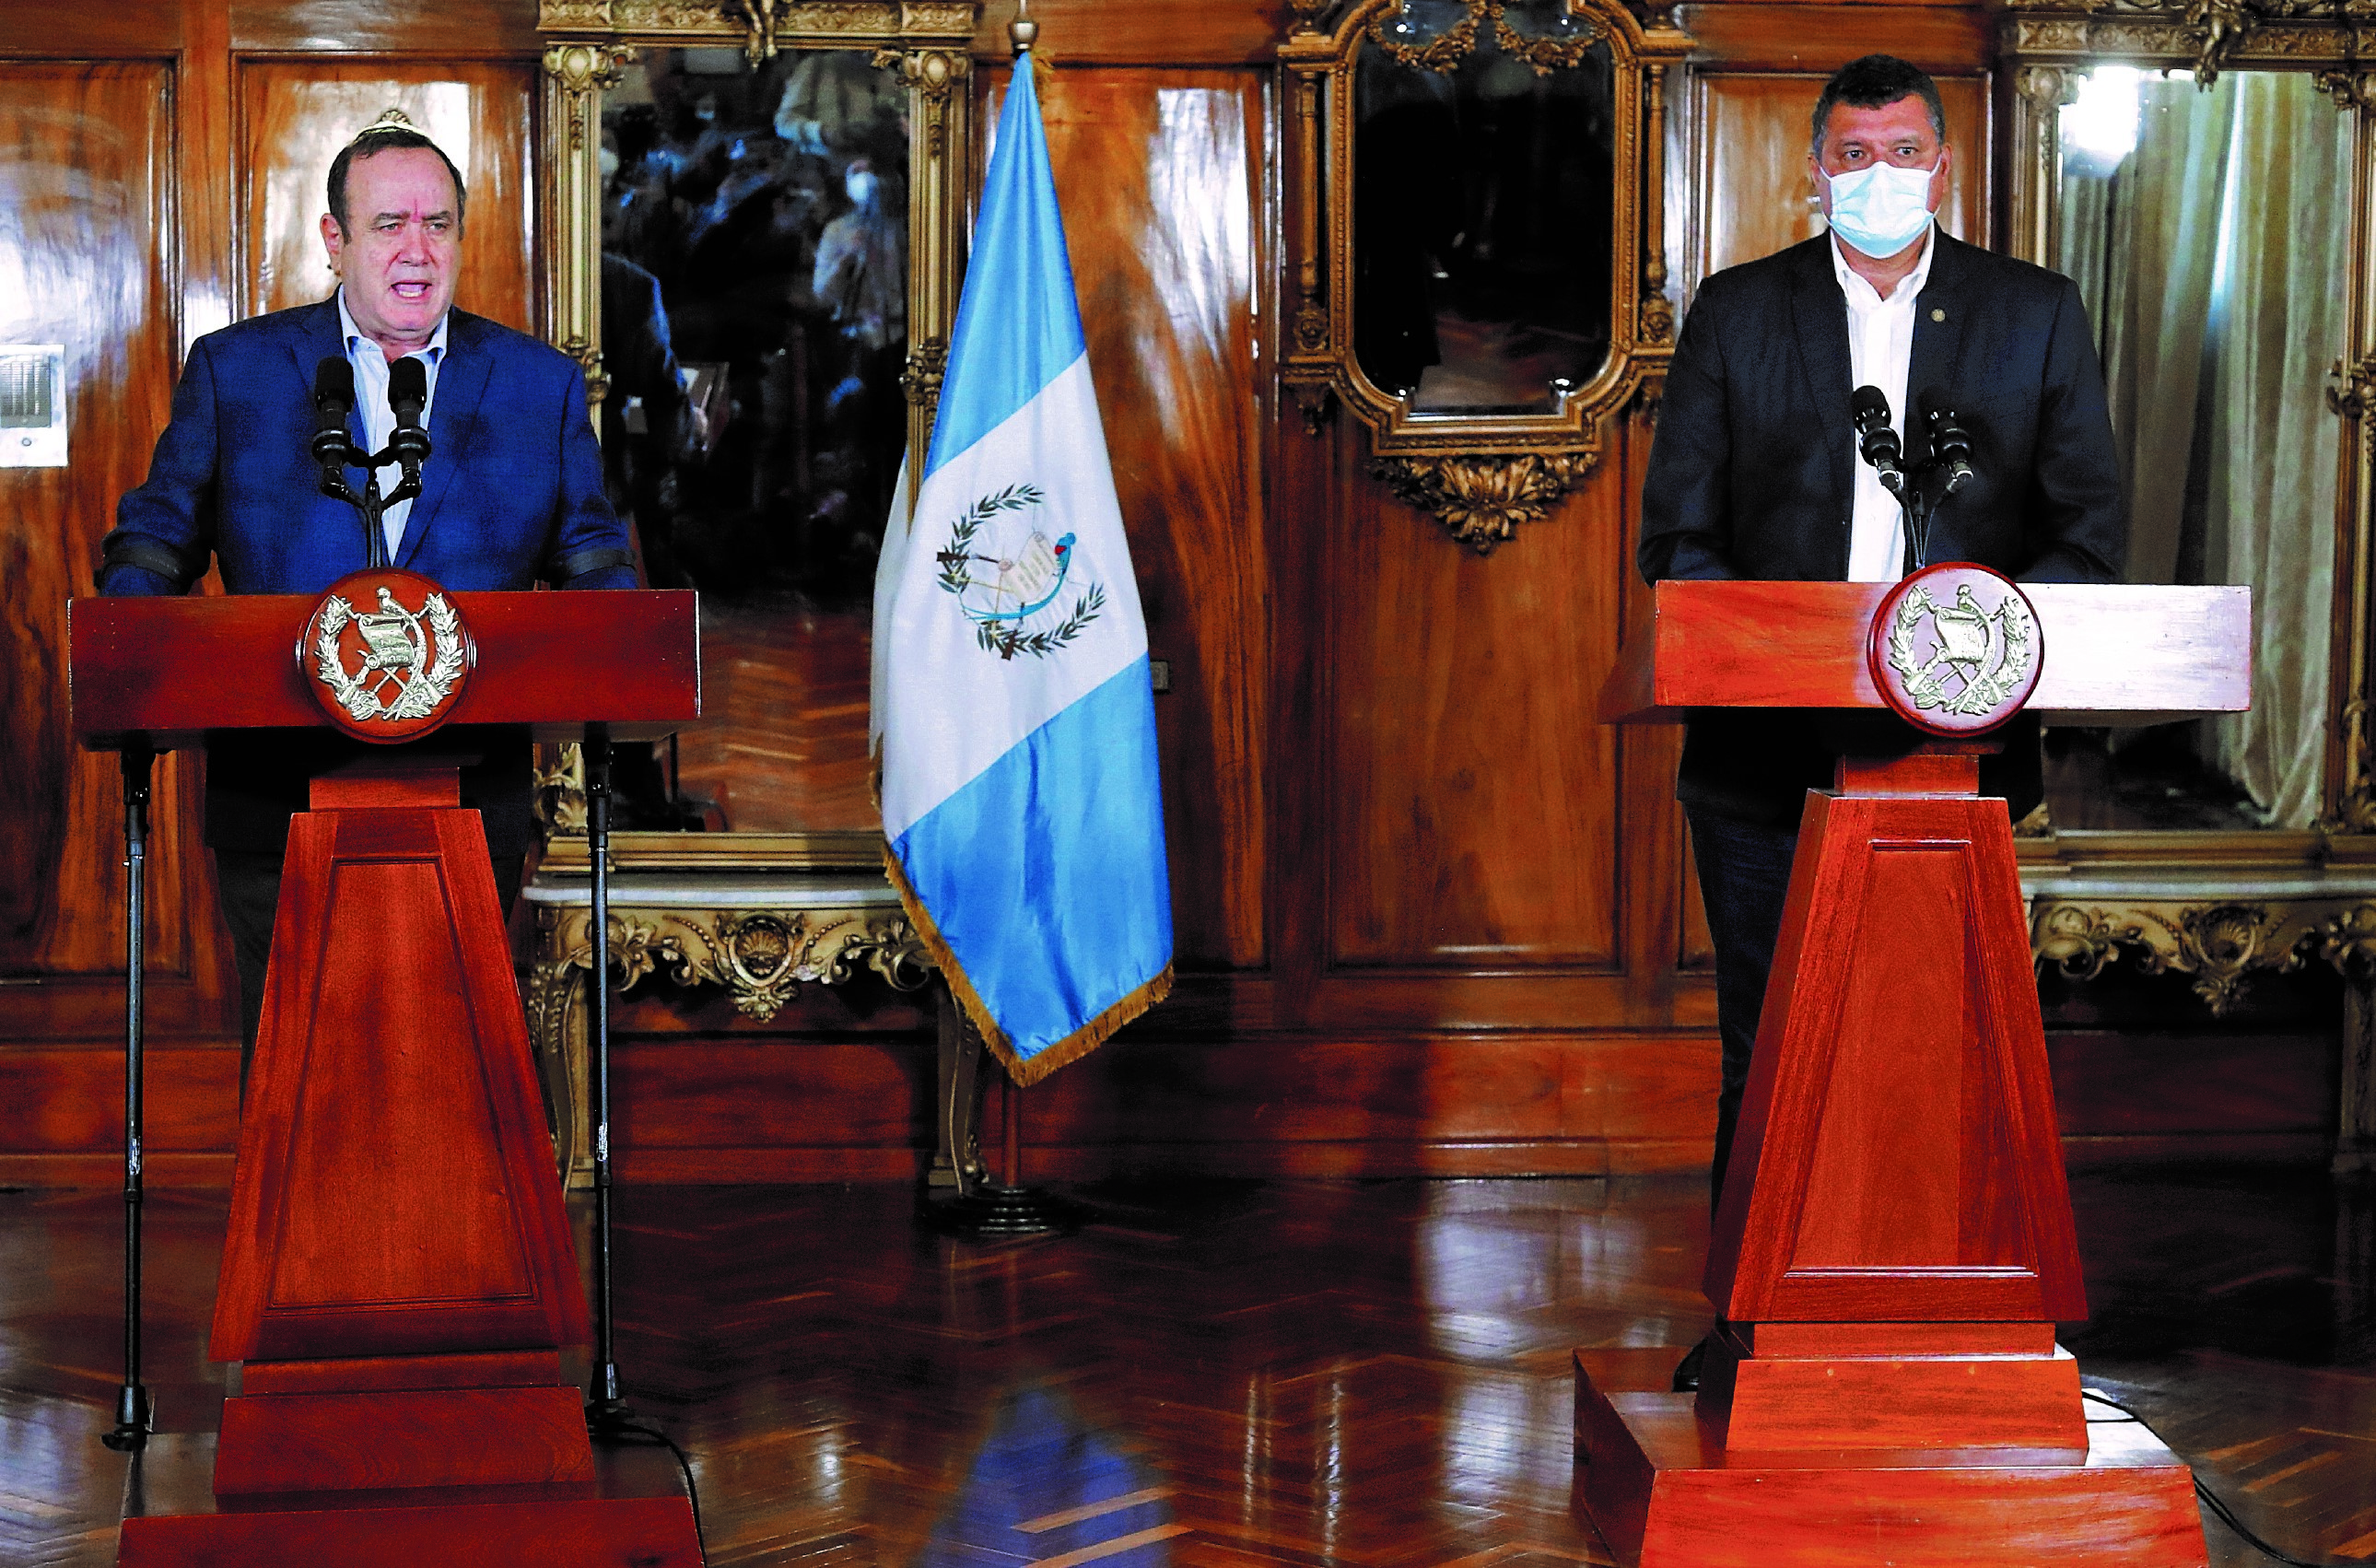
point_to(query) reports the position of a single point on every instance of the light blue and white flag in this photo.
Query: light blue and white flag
(1021, 813)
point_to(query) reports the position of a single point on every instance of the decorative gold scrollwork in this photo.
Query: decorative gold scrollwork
(560, 800)
(1546, 55)
(2218, 946)
(1483, 500)
(2350, 89)
(759, 16)
(2352, 392)
(1443, 52)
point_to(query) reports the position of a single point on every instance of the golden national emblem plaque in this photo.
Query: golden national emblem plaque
(387, 654)
(1955, 650)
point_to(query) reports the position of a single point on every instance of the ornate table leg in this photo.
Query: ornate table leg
(956, 1166)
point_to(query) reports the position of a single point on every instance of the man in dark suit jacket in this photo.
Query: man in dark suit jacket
(1754, 473)
(512, 494)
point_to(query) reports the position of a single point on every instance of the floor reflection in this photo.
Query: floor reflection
(1229, 1374)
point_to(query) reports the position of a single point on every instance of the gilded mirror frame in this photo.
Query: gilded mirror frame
(2219, 905)
(587, 45)
(1480, 474)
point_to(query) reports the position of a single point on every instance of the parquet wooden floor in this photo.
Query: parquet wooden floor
(1226, 1375)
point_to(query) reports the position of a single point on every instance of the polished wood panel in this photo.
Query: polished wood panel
(1281, 1373)
(1470, 814)
(1139, 32)
(562, 659)
(84, 261)
(2113, 652)
(1169, 224)
(296, 114)
(1753, 194)
(460, 29)
(393, 1195)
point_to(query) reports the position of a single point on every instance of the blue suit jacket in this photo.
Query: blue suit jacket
(511, 495)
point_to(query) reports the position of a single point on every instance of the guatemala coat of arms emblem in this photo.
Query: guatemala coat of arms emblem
(385, 654)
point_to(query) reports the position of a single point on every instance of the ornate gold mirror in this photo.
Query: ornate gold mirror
(757, 225)
(2204, 175)
(1480, 256)
(756, 250)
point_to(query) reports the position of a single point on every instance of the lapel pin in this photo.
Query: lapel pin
(1938, 314)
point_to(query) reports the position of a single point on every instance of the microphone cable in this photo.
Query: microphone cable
(2212, 1500)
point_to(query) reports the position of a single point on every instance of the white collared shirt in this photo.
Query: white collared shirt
(379, 421)
(1881, 352)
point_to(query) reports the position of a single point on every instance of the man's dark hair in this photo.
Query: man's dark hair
(387, 140)
(1875, 82)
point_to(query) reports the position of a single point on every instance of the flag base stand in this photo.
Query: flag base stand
(979, 1210)
(990, 1211)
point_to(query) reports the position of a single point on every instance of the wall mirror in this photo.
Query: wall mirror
(1480, 257)
(754, 253)
(2209, 191)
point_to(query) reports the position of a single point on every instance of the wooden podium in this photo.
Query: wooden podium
(399, 1277)
(1894, 1244)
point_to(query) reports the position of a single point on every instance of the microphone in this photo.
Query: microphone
(1869, 410)
(334, 400)
(1951, 447)
(408, 395)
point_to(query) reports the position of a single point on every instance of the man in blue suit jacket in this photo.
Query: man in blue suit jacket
(1754, 473)
(511, 495)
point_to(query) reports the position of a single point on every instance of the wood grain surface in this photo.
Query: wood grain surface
(630, 657)
(395, 1192)
(296, 114)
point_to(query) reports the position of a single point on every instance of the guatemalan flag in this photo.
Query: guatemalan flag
(1021, 813)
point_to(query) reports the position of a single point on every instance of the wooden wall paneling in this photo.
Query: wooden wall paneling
(450, 28)
(1140, 32)
(1473, 795)
(296, 113)
(86, 262)
(1754, 195)
(1166, 214)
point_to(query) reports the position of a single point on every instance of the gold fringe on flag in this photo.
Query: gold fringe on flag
(1024, 1071)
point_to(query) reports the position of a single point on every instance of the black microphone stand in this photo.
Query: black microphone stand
(133, 1414)
(605, 1410)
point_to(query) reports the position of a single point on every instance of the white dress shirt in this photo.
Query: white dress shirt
(379, 421)
(1880, 347)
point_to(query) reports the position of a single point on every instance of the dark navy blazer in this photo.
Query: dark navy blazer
(1752, 474)
(511, 495)
(512, 492)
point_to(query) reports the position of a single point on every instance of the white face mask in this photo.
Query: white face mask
(1880, 210)
(860, 186)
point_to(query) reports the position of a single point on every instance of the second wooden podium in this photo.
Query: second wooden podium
(1894, 1245)
(398, 1279)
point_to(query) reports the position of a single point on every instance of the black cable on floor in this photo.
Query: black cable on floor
(625, 1429)
(2214, 1502)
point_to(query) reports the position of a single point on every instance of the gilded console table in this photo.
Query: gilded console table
(692, 909)
(2220, 908)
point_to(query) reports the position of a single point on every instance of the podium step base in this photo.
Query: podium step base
(1665, 1494)
(635, 1514)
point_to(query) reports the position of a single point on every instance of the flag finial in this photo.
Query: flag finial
(1022, 31)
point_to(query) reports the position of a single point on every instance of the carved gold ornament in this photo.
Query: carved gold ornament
(2218, 944)
(1483, 500)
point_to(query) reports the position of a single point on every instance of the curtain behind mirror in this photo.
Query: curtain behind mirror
(2212, 257)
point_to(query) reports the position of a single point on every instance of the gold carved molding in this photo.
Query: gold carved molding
(761, 954)
(1483, 500)
(2202, 36)
(1480, 475)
